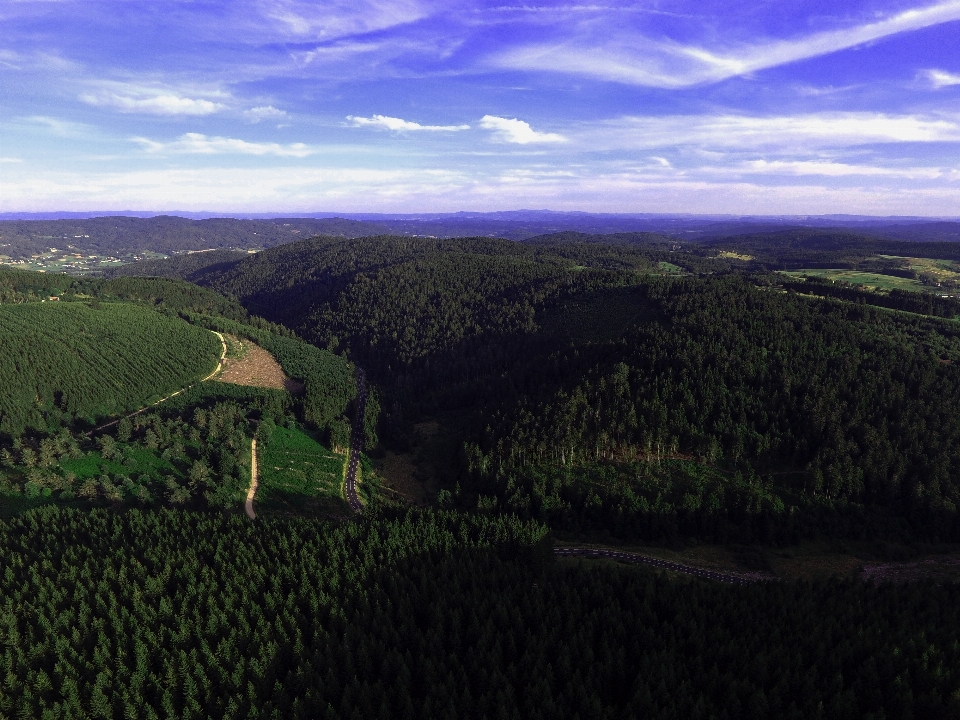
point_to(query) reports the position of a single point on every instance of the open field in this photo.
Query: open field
(297, 473)
(75, 262)
(872, 281)
(93, 360)
(942, 270)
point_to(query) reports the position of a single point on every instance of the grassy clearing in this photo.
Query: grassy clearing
(669, 268)
(729, 255)
(130, 460)
(942, 270)
(871, 281)
(297, 472)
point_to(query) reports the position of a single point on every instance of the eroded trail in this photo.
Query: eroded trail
(254, 480)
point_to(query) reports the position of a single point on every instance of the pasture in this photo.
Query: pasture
(868, 280)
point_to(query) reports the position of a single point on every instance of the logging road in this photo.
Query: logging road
(655, 562)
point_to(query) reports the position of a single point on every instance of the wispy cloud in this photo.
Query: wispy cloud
(384, 122)
(159, 104)
(511, 130)
(10, 160)
(941, 78)
(824, 168)
(338, 18)
(264, 112)
(56, 126)
(836, 129)
(612, 55)
(198, 144)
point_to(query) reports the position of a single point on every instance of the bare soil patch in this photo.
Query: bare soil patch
(256, 368)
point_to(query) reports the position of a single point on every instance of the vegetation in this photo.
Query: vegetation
(63, 362)
(602, 390)
(70, 362)
(434, 615)
(296, 469)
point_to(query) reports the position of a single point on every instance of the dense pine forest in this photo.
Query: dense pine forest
(633, 387)
(628, 389)
(435, 615)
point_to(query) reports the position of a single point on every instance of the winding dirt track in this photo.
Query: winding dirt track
(254, 481)
(655, 562)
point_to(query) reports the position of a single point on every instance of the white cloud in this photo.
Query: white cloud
(363, 189)
(941, 78)
(391, 123)
(157, 104)
(10, 160)
(516, 131)
(264, 112)
(646, 61)
(780, 131)
(198, 144)
(834, 169)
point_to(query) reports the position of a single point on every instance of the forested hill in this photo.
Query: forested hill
(392, 299)
(166, 234)
(192, 266)
(574, 368)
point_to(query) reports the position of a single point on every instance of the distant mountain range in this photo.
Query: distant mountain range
(26, 234)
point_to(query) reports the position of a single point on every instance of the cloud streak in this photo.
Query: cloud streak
(941, 78)
(837, 129)
(160, 104)
(385, 122)
(639, 60)
(199, 144)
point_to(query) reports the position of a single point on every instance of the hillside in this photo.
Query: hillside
(66, 363)
(633, 388)
(191, 266)
(74, 360)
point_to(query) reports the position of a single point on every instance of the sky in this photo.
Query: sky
(772, 107)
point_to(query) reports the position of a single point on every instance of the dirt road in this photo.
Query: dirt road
(655, 562)
(254, 480)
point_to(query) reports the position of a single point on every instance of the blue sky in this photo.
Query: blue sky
(709, 106)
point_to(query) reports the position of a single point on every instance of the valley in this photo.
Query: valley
(494, 455)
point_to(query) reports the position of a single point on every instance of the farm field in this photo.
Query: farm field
(88, 361)
(872, 281)
(297, 473)
(942, 270)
